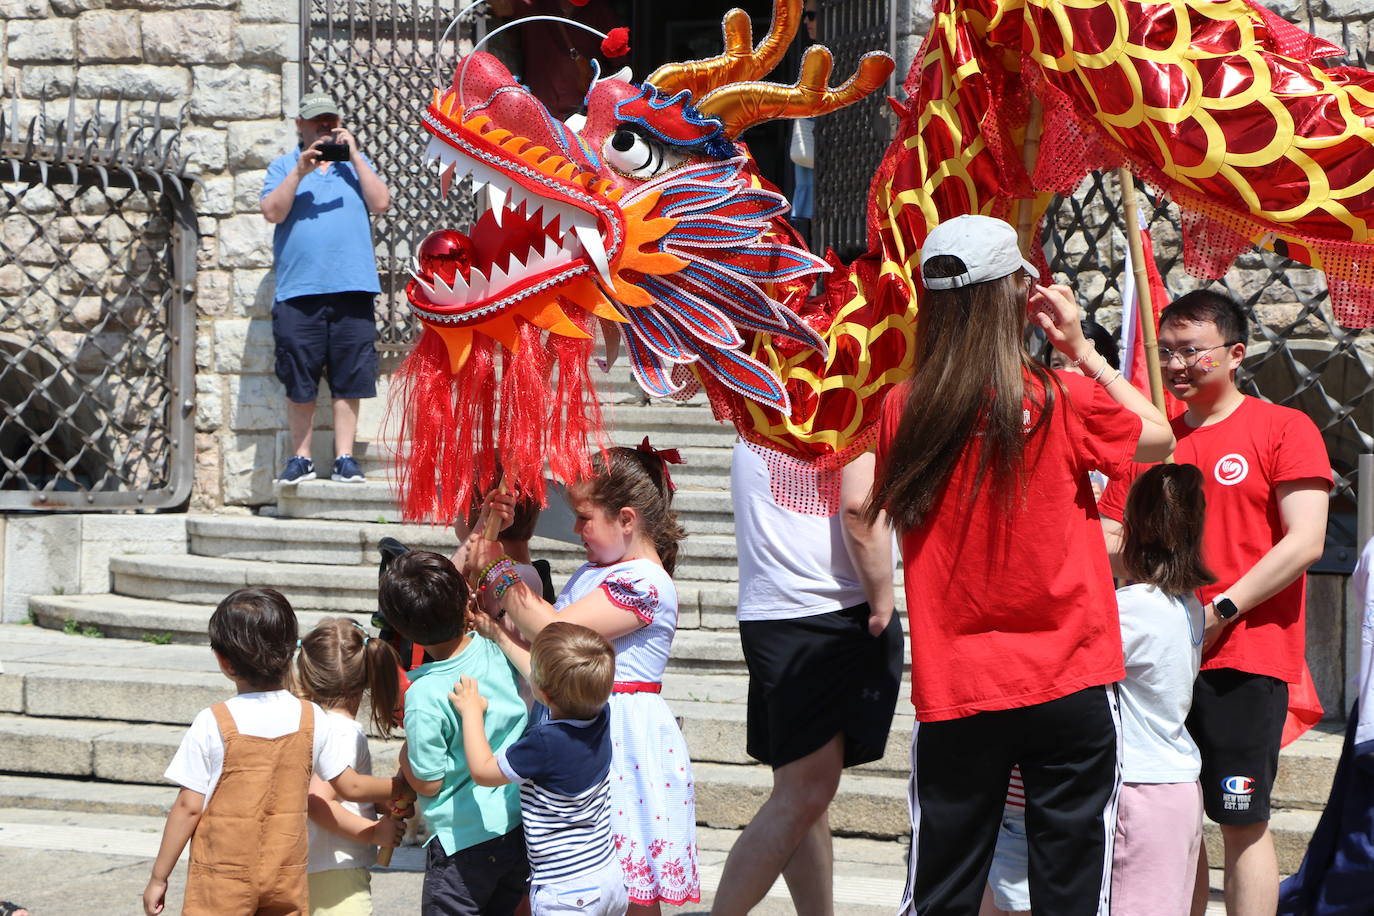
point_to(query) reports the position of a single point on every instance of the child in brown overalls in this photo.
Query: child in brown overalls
(252, 757)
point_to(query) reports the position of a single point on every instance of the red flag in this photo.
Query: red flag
(1304, 707)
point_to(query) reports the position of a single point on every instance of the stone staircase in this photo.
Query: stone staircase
(110, 711)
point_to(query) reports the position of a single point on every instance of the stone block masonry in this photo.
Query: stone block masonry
(230, 70)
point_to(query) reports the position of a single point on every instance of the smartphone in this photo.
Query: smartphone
(331, 151)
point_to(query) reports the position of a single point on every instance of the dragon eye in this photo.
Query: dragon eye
(636, 156)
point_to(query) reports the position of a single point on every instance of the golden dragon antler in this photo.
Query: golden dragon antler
(742, 105)
(740, 61)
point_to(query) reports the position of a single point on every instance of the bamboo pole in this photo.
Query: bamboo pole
(1030, 151)
(1145, 312)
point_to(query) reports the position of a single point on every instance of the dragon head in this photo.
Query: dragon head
(645, 213)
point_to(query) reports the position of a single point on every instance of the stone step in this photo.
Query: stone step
(701, 511)
(115, 751)
(705, 557)
(124, 617)
(705, 467)
(337, 589)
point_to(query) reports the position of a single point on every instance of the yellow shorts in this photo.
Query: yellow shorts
(341, 892)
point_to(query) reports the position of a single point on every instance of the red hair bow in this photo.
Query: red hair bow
(667, 456)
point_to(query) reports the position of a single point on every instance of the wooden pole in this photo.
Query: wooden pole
(1030, 151)
(493, 524)
(1145, 312)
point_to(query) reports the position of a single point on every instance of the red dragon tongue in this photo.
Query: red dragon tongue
(445, 254)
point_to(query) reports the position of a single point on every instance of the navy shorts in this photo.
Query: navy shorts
(335, 332)
(489, 879)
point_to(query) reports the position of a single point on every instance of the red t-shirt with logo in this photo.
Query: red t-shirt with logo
(1243, 459)
(1012, 603)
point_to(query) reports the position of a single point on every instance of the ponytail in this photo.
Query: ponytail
(383, 667)
(1165, 513)
(338, 662)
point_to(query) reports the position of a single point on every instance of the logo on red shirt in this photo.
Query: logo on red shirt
(1231, 469)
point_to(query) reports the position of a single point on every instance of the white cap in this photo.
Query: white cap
(987, 246)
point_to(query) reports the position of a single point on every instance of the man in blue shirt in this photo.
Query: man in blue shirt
(326, 280)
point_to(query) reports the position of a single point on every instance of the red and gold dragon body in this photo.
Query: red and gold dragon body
(646, 222)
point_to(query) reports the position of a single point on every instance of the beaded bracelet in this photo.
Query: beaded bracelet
(503, 584)
(1097, 376)
(499, 563)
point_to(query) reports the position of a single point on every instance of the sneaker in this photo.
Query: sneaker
(346, 470)
(297, 470)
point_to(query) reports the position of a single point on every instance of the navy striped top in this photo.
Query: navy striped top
(563, 769)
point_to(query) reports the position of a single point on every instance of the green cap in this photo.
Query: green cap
(315, 104)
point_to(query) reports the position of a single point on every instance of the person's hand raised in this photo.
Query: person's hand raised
(1055, 312)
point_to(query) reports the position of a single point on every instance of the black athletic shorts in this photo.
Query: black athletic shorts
(1237, 722)
(812, 678)
(489, 879)
(337, 332)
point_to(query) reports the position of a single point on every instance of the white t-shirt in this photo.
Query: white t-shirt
(268, 714)
(790, 564)
(1161, 636)
(330, 851)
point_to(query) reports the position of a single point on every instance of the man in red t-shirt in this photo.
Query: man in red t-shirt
(1266, 476)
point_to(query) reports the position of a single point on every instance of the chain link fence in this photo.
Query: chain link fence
(97, 268)
(382, 59)
(1298, 355)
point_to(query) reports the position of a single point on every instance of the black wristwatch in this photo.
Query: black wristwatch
(1226, 608)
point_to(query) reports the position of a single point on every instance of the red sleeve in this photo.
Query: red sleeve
(1108, 433)
(1113, 502)
(1299, 452)
(889, 417)
(633, 594)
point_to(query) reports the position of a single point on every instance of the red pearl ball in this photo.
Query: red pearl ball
(444, 254)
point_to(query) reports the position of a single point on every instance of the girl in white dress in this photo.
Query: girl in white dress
(625, 592)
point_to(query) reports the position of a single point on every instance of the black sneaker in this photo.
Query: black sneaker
(346, 470)
(297, 470)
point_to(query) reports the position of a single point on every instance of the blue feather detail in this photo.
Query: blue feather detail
(689, 309)
(659, 336)
(747, 376)
(648, 369)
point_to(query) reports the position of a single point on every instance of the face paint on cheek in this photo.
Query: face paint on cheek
(1207, 363)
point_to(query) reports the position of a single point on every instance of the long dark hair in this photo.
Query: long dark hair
(970, 380)
(1164, 519)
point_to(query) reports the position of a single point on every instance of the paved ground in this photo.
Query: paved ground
(75, 864)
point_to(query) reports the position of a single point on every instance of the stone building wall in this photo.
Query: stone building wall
(234, 66)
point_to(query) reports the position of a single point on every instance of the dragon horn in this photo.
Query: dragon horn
(741, 61)
(742, 105)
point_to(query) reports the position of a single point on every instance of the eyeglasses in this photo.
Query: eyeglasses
(809, 15)
(1188, 355)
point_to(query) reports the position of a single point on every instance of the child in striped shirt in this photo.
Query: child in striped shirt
(562, 765)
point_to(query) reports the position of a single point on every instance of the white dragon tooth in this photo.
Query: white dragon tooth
(477, 284)
(497, 196)
(591, 241)
(499, 280)
(435, 148)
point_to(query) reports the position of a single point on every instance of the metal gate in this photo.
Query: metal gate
(850, 142)
(382, 60)
(97, 270)
(1298, 354)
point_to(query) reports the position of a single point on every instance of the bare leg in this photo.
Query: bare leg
(1202, 885)
(640, 909)
(299, 416)
(810, 873)
(1252, 870)
(802, 791)
(345, 425)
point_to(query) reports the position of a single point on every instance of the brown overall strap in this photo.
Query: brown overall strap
(227, 729)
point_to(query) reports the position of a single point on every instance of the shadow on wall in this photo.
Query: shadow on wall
(51, 431)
